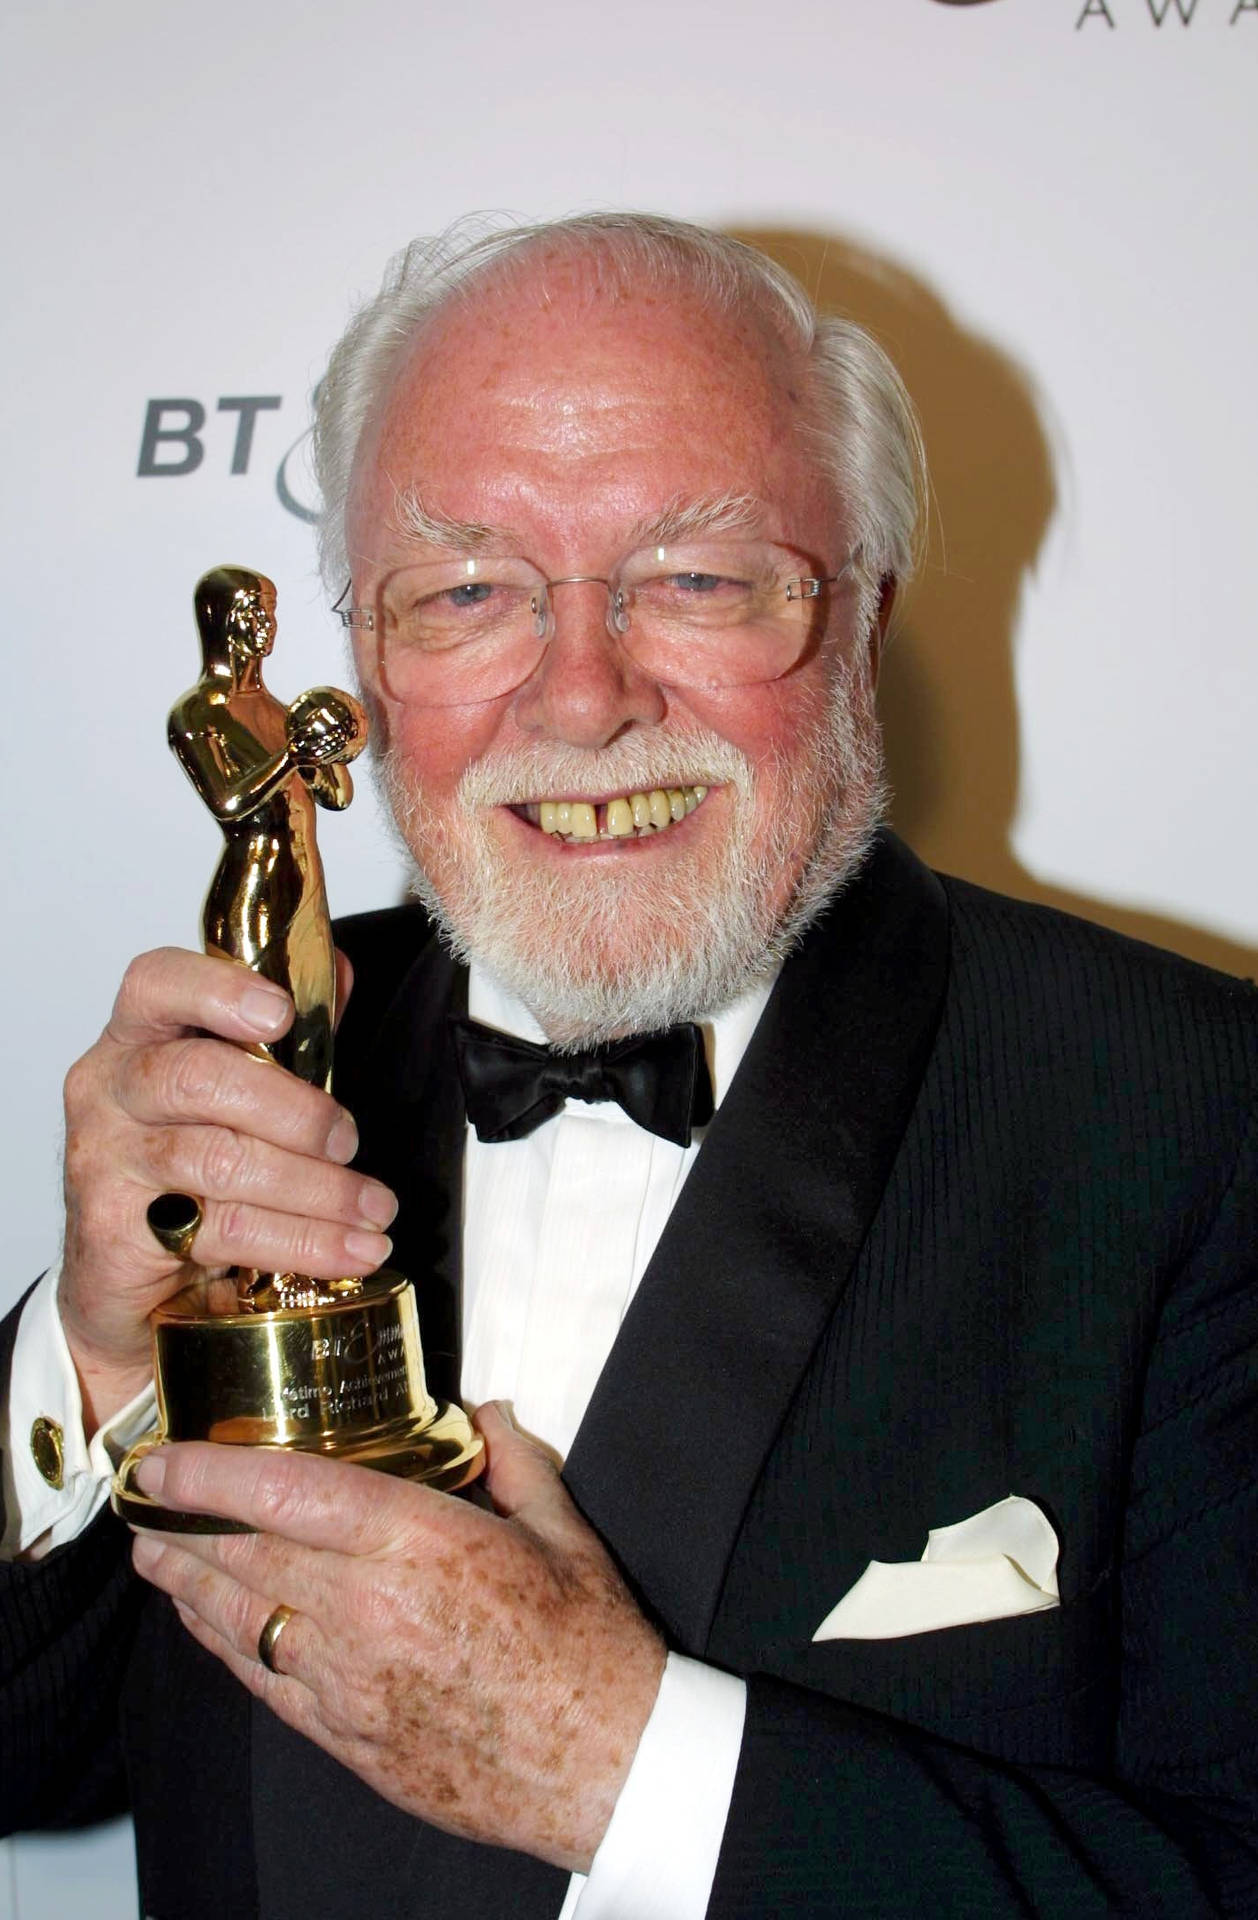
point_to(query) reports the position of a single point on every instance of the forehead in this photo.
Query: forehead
(558, 396)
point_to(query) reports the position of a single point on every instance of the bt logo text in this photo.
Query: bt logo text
(171, 443)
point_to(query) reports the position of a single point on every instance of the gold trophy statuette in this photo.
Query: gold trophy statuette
(280, 1359)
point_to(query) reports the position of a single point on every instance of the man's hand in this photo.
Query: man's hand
(162, 1102)
(489, 1673)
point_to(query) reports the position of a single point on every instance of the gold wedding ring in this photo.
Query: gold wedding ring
(269, 1636)
(173, 1219)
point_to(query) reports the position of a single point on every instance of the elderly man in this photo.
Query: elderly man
(966, 1247)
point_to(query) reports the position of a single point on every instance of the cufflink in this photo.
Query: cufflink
(48, 1451)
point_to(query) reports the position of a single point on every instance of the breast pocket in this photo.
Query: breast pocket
(1038, 1687)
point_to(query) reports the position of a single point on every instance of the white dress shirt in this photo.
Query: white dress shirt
(558, 1231)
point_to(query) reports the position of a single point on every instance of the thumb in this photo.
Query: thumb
(521, 1478)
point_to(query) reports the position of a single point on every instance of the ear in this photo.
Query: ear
(888, 588)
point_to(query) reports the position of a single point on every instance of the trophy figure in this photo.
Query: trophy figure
(280, 1359)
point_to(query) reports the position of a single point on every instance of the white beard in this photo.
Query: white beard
(595, 954)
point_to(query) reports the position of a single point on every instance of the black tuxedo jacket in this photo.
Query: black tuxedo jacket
(979, 1215)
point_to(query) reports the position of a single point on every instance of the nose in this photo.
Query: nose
(585, 690)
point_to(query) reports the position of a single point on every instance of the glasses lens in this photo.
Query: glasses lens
(711, 614)
(449, 633)
(717, 614)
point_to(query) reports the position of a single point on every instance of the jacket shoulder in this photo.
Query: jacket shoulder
(382, 947)
(1078, 989)
(1046, 934)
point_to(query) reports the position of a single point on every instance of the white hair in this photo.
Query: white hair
(868, 440)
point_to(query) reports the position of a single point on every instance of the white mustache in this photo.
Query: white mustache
(642, 760)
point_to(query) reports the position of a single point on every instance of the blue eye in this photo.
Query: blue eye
(473, 593)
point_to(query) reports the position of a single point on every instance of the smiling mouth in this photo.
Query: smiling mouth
(629, 816)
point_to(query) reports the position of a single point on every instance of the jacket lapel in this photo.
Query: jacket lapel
(762, 1241)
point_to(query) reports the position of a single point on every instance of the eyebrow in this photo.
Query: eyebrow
(413, 520)
(679, 519)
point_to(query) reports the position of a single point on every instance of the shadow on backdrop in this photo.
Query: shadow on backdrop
(947, 692)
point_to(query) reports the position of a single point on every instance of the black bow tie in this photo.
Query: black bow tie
(510, 1086)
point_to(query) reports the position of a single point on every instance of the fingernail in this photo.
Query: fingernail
(264, 1007)
(371, 1248)
(150, 1475)
(506, 1412)
(376, 1204)
(342, 1143)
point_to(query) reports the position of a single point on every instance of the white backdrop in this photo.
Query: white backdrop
(1045, 209)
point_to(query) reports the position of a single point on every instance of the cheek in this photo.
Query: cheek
(764, 722)
(435, 746)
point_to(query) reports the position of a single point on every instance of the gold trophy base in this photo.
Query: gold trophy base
(344, 1380)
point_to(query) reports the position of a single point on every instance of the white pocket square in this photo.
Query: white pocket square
(996, 1564)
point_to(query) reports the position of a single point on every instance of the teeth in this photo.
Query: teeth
(632, 815)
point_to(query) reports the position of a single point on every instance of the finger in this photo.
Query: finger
(309, 1217)
(229, 1624)
(171, 991)
(284, 1693)
(523, 1481)
(235, 1613)
(220, 1164)
(194, 1081)
(307, 1500)
(233, 1233)
(333, 1589)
